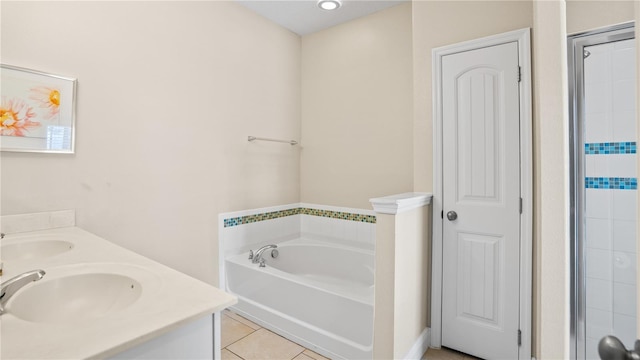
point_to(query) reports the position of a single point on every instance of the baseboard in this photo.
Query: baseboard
(420, 346)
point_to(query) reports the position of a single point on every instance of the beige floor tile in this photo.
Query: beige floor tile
(265, 345)
(228, 355)
(302, 357)
(233, 331)
(239, 318)
(442, 354)
(469, 357)
(314, 355)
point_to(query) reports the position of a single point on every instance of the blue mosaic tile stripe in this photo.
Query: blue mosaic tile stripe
(248, 219)
(611, 183)
(610, 148)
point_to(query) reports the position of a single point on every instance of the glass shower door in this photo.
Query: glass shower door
(605, 193)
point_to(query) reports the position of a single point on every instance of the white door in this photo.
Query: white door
(481, 185)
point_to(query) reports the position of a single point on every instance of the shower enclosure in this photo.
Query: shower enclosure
(603, 188)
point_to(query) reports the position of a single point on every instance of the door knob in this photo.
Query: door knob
(452, 215)
(611, 348)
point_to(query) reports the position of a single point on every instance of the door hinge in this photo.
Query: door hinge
(519, 73)
(442, 214)
(519, 337)
(520, 205)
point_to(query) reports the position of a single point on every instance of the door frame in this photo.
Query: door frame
(523, 38)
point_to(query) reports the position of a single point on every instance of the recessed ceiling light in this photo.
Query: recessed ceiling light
(329, 4)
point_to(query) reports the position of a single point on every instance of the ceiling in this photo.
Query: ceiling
(305, 17)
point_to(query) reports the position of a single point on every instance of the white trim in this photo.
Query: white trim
(338, 209)
(256, 211)
(420, 346)
(395, 204)
(526, 192)
(522, 36)
(240, 213)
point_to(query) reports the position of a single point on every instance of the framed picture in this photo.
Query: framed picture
(37, 113)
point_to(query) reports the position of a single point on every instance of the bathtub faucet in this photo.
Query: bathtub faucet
(257, 256)
(12, 285)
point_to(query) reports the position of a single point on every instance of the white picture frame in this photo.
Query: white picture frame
(37, 111)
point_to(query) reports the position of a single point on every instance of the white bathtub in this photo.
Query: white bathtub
(318, 294)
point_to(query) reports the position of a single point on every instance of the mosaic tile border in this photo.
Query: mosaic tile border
(248, 219)
(611, 183)
(339, 215)
(610, 148)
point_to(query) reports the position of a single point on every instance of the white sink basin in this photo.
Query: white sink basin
(34, 250)
(74, 298)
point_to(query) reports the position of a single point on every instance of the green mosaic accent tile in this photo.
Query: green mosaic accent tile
(339, 215)
(248, 219)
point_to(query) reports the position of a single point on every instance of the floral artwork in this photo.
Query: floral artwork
(36, 111)
(48, 97)
(16, 117)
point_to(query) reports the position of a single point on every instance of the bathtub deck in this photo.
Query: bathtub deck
(243, 339)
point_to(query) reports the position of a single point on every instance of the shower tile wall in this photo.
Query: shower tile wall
(611, 193)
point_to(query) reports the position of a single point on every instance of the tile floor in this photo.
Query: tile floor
(446, 354)
(243, 339)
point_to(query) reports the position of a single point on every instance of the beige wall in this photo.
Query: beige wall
(357, 110)
(551, 296)
(439, 23)
(167, 94)
(584, 15)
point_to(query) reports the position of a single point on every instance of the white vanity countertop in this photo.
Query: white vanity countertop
(168, 300)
